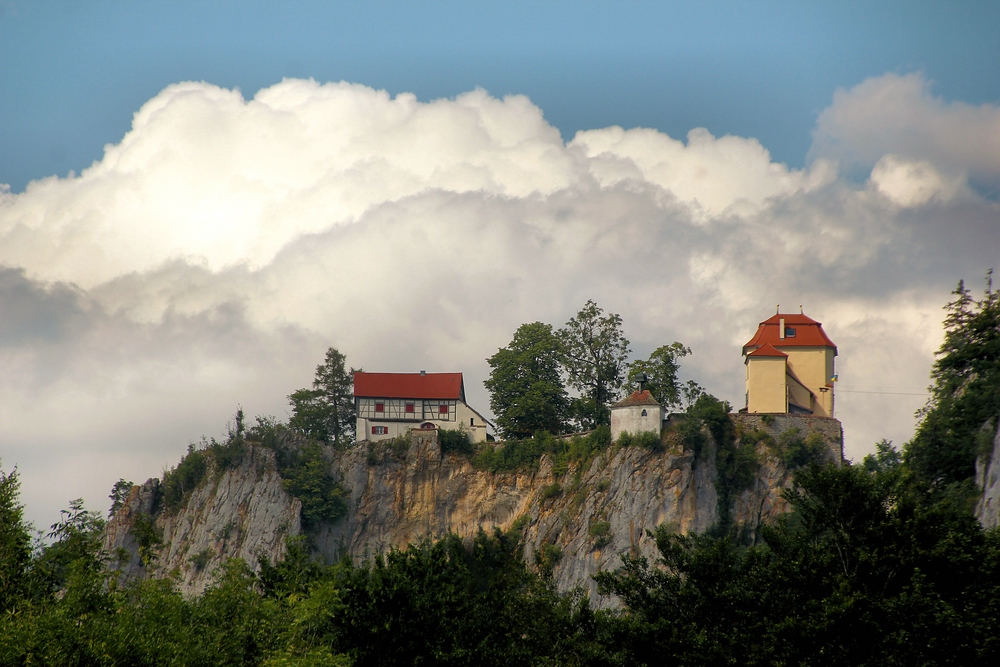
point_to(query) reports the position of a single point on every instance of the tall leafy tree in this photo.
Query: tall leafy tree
(661, 370)
(525, 384)
(326, 412)
(961, 416)
(594, 353)
(15, 541)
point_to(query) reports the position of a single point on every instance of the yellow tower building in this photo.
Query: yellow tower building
(790, 367)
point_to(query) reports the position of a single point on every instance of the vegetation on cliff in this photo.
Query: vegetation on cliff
(960, 418)
(866, 571)
(528, 377)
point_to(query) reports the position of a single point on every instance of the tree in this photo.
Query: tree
(594, 352)
(661, 370)
(960, 418)
(15, 541)
(526, 390)
(326, 412)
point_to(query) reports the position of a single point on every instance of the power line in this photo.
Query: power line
(892, 393)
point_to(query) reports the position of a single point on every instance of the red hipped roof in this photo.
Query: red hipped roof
(767, 350)
(409, 385)
(808, 333)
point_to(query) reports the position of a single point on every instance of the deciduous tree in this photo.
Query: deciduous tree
(594, 353)
(526, 388)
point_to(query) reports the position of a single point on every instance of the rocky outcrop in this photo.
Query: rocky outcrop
(590, 513)
(988, 483)
(235, 513)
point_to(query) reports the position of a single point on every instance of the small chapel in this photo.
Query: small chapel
(790, 367)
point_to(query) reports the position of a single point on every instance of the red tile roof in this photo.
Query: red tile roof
(409, 385)
(808, 333)
(645, 398)
(767, 350)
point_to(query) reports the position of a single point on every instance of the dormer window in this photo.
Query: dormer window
(789, 332)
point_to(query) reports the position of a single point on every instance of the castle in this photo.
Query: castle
(790, 367)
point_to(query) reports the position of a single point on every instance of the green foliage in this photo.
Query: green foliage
(644, 439)
(797, 451)
(326, 412)
(304, 475)
(661, 370)
(455, 441)
(15, 542)
(201, 559)
(524, 455)
(526, 388)
(594, 354)
(965, 394)
(547, 558)
(119, 494)
(862, 576)
(600, 530)
(551, 491)
(886, 458)
(182, 479)
(147, 536)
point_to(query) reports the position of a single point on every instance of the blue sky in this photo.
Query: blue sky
(170, 248)
(74, 73)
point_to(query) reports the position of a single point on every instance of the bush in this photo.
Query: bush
(551, 491)
(455, 441)
(601, 532)
(304, 475)
(797, 451)
(180, 481)
(523, 455)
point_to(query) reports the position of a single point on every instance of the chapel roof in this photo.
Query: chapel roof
(636, 398)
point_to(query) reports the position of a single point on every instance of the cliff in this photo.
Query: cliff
(988, 484)
(578, 519)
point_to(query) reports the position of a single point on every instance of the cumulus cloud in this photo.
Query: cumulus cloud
(211, 256)
(899, 116)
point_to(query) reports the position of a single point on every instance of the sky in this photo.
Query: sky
(201, 197)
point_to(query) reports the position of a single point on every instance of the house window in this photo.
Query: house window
(409, 407)
(380, 407)
(443, 409)
(472, 421)
(643, 413)
(380, 430)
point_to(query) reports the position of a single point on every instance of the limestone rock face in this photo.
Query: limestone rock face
(591, 513)
(239, 513)
(988, 483)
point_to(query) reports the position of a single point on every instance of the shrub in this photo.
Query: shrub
(601, 532)
(547, 558)
(797, 451)
(180, 481)
(551, 491)
(304, 475)
(455, 441)
(200, 559)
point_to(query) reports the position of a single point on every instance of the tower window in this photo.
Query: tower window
(643, 413)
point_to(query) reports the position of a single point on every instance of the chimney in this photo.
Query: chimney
(781, 328)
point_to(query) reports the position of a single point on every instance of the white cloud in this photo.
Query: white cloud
(913, 183)
(898, 115)
(215, 252)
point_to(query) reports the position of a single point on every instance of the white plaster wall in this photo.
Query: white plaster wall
(630, 419)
